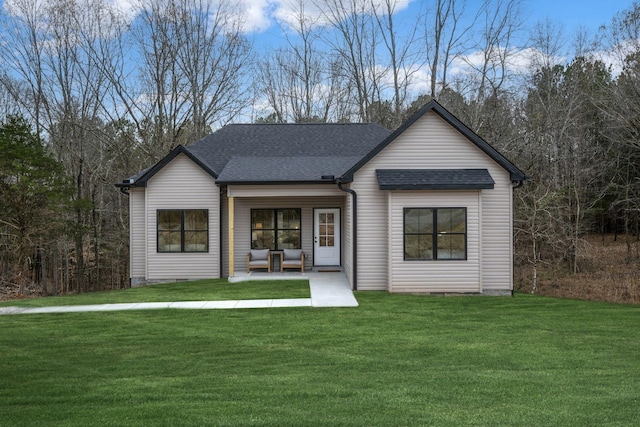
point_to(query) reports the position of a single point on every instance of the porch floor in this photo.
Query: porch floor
(328, 288)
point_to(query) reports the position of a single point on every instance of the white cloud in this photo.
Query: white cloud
(315, 11)
(518, 60)
(254, 15)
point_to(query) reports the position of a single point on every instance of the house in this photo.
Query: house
(426, 208)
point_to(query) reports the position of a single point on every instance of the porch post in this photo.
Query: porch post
(231, 239)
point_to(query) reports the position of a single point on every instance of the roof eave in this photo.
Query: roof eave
(438, 187)
(297, 182)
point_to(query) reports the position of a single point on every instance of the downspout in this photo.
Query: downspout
(514, 185)
(354, 248)
(221, 232)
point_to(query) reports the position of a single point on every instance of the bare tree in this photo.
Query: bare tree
(356, 40)
(297, 79)
(448, 28)
(403, 61)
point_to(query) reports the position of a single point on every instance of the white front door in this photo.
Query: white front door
(326, 236)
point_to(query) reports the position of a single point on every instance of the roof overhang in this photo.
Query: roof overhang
(434, 179)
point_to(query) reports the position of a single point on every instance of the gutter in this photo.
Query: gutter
(518, 184)
(354, 248)
(124, 186)
(221, 230)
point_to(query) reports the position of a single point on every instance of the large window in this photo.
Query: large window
(183, 230)
(435, 233)
(275, 229)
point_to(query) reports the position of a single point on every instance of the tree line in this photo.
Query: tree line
(91, 94)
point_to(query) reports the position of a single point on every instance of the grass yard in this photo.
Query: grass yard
(396, 360)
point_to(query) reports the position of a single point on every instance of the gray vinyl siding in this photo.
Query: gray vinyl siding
(137, 252)
(243, 206)
(434, 276)
(432, 143)
(182, 185)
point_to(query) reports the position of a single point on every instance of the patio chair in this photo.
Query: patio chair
(292, 258)
(259, 259)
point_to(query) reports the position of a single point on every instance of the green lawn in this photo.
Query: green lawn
(396, 360)
(197, 290)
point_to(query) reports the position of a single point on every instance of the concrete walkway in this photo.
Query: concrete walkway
(327, 290)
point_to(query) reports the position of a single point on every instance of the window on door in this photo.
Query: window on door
(435, 233)
(183, 230)
(276, 229)
(326, 230)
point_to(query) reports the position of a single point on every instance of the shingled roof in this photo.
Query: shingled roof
(245, 153)
(311, 152)
(434, 179)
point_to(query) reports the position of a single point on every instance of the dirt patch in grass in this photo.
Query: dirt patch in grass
(609, 270)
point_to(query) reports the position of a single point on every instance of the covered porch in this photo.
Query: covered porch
(307, 217)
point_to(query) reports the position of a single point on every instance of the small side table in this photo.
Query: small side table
(279, 255)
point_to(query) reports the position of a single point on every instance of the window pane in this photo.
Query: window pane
(451, 220)
(458, 220)
(426, 246)
(168, 220)
(411, 246)
(195, 220)
(262, 219)
(411, 220)
(418, 246)
(451, 246)
(196, 241)
(262, 239)
(169, 241)
(289, 239)
(418, 220)
(289, 219)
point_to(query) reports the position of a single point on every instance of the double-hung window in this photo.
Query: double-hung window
(275, 229)
(183, 230)
(435, 233)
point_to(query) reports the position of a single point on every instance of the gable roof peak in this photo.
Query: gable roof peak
(515, 173)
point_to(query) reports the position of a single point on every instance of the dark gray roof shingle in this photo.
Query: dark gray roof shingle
(283, 169)
(434, 179)
(308, 148)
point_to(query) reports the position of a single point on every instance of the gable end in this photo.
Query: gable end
(180, 149)
(516, 175)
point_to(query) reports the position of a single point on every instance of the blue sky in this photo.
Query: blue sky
(264, 16)
(571, 13)
(576, 13)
